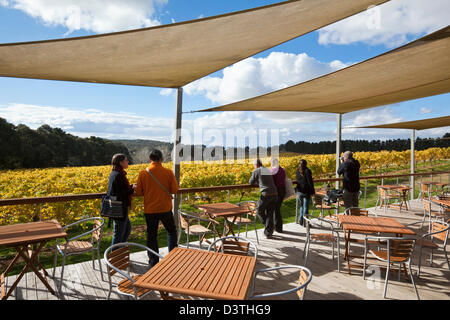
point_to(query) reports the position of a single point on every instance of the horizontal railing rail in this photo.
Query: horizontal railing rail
(93, 196)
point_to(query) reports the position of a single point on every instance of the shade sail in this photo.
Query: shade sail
(173, 55)
(418, 124)
(415, 70)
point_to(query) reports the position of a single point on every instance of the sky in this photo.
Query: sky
(132, 112)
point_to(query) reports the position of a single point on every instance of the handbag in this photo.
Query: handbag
(111, 208)
(159, 183)
(289, 187)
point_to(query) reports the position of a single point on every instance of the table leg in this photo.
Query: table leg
(29, 264)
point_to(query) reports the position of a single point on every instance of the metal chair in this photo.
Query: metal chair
(320, 204)
(196, 229)
(384, 197)
(332, 236)
(425, 190)
(74, 246)
(439, 230)
(253, 206)
(234, 245)
(399, 250)
(117, 258)
(432, 214)
(304, 279)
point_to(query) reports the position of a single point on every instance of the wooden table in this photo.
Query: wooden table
(224, 210)
(369, 225)
(445, 204)
(200, 273)
(20, 237)
(403, 191)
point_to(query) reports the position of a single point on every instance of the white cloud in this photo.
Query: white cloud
(166, 92)
(99, 16)
(255, 76)
(424, 110)
(90, 122)
(389, 24)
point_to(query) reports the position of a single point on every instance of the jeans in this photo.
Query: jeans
(266, 211)
(122, 230)
(278, 219)
(152, 220)
(303, 203)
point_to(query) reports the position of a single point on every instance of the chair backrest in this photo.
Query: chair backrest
(117, 257)
(95, 232)
(425, 187)
(304, 279)
(427, 205)
(234, 245)
(401, 247)
(381, 191)
(442, 230)
(98, 229)
(318, 199)
(354, 211)
(181, 215)
(251, 205)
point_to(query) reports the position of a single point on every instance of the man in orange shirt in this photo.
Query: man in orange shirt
(157, 184)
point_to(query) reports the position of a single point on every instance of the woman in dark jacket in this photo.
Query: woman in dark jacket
(305, 188)
(122, 190)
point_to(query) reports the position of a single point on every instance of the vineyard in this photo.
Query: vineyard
(79, 180)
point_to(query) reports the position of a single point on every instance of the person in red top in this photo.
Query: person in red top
(157, 184)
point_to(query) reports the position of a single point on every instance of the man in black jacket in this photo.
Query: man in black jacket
(349, 169)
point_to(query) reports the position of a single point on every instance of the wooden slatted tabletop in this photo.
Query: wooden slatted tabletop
(445, 203)
(223, 209)
(33, 232)
(373, 224)
(20, 236)
(202, 274)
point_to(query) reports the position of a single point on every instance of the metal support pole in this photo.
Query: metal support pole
(365, 193)
(338, 145)
(413, 163)
(176, 152)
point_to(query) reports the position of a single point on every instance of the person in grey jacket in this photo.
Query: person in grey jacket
(267, 202)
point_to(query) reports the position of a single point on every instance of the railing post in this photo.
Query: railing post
(365, 193)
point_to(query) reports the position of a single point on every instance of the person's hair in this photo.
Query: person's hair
(275, 163)
(116, 160)
(348, 155)
(258, 162)
(156, 155)
(302, 166)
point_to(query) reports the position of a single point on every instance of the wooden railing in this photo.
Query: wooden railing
(91, 196)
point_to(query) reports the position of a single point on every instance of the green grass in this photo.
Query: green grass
(139, 235)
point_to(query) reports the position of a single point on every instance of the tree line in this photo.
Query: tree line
(44, 147)
(328, 147)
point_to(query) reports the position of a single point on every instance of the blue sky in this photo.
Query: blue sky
(128, 112)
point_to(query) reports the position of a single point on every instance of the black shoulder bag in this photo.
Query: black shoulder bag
(111, 208)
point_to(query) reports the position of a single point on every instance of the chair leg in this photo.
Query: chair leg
(62, 273)
(99, 261)
(338, 256)
(386, 281)
(412, 280)
(446, 257)
(419, 263)
(54, 262)
(256, 233)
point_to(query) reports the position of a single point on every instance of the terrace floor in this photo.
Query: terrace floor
(82, 282)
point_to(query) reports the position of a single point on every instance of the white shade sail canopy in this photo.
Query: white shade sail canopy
(416, 125)
(415, 70)
(173, 55)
